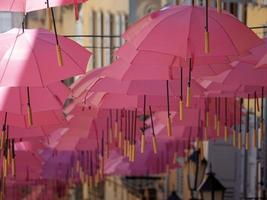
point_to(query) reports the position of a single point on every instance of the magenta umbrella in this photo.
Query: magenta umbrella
(30, 61)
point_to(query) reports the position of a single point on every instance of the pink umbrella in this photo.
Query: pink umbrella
(86, 81)
(183, 48)
(15, 99)
(30, 60)
(241, 75)
(29, 133)
(43, 118)
(228, 37)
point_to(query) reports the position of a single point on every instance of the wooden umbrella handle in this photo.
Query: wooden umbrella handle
(207, 42)
(188, 96)
(225, 133)
(239, 141)
(143, 143)
(59, 55)
(155, 144)
(181, 107)
(169, 126)
(234, 138)
(247, 141)
(29, 112)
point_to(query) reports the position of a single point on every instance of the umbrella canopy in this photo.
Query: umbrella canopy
(228, 36)
(30, 59)
(51, 117)
(15, 99)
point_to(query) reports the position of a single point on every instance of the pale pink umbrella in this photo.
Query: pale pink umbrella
(86, 81)
(25, 6)
(30, 60)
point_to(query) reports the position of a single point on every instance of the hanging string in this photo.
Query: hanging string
(262, 135)
(111, 126)
(3, 132)
(154, 140)
(125, 133)
(120, 132)
(219, 117)
(169, 121)
(240, 125)
(247, 125)
(225, 123)
(255, 138)
(144, 128)
(207, 41)
(181, 95)
(135, 124)
(234, 131)
(102, 153)
(168, 99)
(116, 125)
(58, 48)
(13, 158)
(188, 96)
(129, 135)
(29, 109)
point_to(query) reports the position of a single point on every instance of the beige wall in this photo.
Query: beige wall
(257, 16)
(108, 5)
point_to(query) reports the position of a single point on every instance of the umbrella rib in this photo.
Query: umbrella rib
(35, 59)
(215, 73)
(12, 49)
(161, 21)
(188, 38)
(64, 52)
(11, 6)
(225, 33)
(55, 96)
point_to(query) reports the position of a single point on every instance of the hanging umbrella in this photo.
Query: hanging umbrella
(228, 36)
(15, 99)
(26, 6)
(243, 74)
(25, 102)
(200, 52)
(43, 118)
(30, 61)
